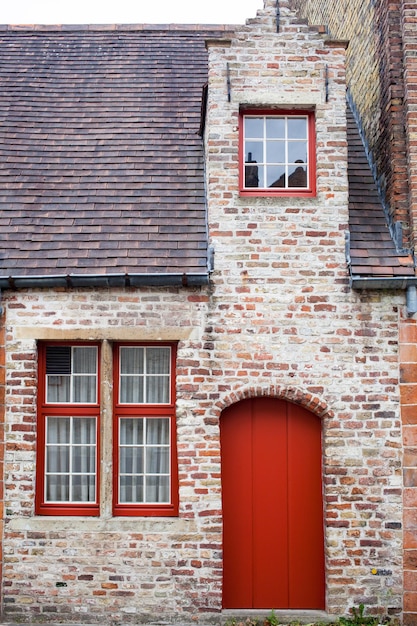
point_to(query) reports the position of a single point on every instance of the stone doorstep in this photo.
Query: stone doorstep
(283, 616)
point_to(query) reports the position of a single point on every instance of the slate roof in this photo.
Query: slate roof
(101, 163)
(102, 166)
(372, 250)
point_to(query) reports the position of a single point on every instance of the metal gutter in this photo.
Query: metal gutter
(104, 280)
(404, 283)
(382, 282)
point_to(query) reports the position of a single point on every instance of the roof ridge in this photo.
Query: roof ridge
(119, 27)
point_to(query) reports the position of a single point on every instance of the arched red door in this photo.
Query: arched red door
(273, 546)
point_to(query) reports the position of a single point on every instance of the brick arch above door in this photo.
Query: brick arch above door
(310, 401)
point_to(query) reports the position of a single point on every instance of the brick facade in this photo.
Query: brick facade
(2, 426)
(278, 319)
(374, 75)
(409, 37)
(408, 387)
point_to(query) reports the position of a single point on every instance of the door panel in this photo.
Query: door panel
(273, 555)
(305, 510)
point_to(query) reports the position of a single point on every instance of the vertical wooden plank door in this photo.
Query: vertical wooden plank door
(273, 546)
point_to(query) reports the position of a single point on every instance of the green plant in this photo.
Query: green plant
(358, 618)
(272, 619)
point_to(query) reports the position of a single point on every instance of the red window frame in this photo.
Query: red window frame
(68, 409)
(311, 137)
(148, 411)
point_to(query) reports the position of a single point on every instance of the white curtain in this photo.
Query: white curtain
(72, 381)
(144, 460)
(144, 375)
(70, 459)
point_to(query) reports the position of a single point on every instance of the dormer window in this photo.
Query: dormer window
(277, 153)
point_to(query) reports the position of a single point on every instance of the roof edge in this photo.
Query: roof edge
(226, 28)
(104, 280)
(383, 282)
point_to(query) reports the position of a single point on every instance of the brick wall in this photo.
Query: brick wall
(374, 74)
(408, 358)
(2, 420)
(409, 36)
(85, 569)
(288, 322)
(278, 319)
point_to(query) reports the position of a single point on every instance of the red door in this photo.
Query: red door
(273, 548)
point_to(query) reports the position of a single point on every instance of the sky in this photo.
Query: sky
(127, 11)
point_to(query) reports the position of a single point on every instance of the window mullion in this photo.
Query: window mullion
(70, 459)
(264, 159)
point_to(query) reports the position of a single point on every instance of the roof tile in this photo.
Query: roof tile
(372, 249)
(99, 138)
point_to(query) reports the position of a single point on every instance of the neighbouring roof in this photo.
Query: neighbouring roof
(101, 163)
(373, 254)
(102, 167)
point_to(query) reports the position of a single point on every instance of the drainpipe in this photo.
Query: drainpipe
(411, 300)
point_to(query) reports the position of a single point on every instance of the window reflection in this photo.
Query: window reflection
(276, 152)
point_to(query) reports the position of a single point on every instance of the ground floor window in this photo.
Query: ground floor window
(71, 431)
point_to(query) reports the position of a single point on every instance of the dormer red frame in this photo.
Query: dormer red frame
(300, 192)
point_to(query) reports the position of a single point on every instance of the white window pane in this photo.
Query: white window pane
(297, 152)
(83, 459)
(157, 460)
(84, 360)
(84, 429)
(157, 489)
(131, 389)
(157, 389)
(276, 176)
(251, 176)
(275, 152)
(275, 127)
(297, 128)
(145, 375)
(145, 467)
(85, 388)
(57, 459)
(131, 460)
(65, 366)
(158, 360)
(131, 360)
(297, 176)
(70, 459)
(131, 489)
(131, 431)
(57, 488)
(58, 429)
(83, 489)
(58, 388)
(254, 152)
(254, 127)
(157, 431)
